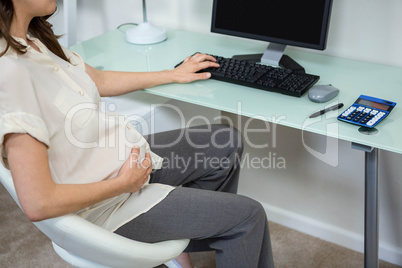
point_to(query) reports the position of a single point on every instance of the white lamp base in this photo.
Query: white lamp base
(145, 33)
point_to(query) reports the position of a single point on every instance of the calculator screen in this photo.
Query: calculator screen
(373, 104)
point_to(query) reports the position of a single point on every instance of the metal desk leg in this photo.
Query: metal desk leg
(371, 205)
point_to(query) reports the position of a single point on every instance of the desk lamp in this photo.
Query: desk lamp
(145, 33)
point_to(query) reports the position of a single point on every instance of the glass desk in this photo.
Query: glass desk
(111, 52)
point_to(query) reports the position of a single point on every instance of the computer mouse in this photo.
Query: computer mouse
(322, 93)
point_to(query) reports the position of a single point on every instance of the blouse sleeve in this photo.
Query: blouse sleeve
(19, 107)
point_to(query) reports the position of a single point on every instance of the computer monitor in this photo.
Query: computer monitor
(280, 22)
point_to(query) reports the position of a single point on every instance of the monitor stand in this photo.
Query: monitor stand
(273, 55)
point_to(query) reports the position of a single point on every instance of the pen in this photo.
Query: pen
(332, 108)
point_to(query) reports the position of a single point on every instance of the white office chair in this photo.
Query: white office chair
(84, 244)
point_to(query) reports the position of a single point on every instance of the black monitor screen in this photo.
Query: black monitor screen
(289, 22)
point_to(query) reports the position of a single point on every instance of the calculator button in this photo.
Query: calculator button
(361, 108)
(370, 123)
(374, 112)
(346, 113)
(367, 110)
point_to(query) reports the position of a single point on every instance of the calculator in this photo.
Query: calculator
(367, 111)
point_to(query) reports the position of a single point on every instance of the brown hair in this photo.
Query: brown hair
(39, 28)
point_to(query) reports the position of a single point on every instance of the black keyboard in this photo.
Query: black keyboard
(261, 76)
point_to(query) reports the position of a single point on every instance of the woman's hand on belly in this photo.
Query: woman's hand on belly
(134, 173)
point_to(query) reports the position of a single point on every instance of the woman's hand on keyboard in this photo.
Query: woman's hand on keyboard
(190, 68)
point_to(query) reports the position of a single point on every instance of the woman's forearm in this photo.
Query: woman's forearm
(62, 199)
(113, 83)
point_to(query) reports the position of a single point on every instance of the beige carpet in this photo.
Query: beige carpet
(22, 245)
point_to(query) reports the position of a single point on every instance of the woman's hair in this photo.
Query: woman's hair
(39, 28)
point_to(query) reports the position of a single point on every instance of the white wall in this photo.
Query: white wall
(308, 195)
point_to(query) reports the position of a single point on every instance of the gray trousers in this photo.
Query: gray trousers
(205, 162)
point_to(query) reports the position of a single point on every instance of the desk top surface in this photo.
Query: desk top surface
(352, 77)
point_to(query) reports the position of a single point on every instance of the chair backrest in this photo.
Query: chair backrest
(77, 241)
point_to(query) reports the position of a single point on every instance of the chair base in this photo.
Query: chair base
(172, 264)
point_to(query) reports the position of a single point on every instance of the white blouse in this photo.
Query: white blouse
(58, 104)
